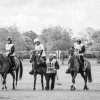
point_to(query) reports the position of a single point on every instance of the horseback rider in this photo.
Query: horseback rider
(52, 67)
(39, 47)
(10, 52)
(79, 50)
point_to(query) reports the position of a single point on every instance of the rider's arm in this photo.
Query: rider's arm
(12, 50)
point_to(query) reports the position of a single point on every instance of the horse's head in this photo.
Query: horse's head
(35, 57)
(32, 56)
(39, 60)
(71, 52)
(72, 58)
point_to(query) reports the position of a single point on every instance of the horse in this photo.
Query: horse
(5, 68)
(76, 68)
(39, 67)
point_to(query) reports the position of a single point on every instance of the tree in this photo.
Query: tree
(12, 32)
(96, 41)
(56, 38)
(28, 38)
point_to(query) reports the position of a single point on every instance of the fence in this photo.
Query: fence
(61, 55)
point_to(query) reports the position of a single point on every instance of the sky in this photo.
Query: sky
(39, 14)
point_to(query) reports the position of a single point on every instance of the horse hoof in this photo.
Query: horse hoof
(33, 88)
(13, 88)
(6, 88)
(73, 88)
(42, 88)
(86, 88)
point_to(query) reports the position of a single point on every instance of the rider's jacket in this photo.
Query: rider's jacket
(79, 48)
(40, 47)
(52, 66)
(10, 49)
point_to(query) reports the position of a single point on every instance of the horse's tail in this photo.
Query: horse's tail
(20, 69)
(89, 75)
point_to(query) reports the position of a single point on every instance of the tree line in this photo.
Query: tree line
(53, 38)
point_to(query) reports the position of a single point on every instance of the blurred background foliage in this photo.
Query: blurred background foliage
(53, 38)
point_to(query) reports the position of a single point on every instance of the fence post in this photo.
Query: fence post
(59, 52)
(58, 56)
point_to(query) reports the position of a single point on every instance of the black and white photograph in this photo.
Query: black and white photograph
(49, 50)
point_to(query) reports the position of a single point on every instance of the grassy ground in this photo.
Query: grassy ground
(25, 86)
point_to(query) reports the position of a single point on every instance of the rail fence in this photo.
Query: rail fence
(61, 55)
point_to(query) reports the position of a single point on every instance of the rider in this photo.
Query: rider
(79, 50)
(40, 50)
(10, 52)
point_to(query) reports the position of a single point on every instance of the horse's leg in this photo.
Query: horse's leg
(13, 75)
(16, 77)
(35, 76)
(42, 81)
(85, 79)
(58, 81)
(4, 87)
(73, 80)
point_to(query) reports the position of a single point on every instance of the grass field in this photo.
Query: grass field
(61, 92)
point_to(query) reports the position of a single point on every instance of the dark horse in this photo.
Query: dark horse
(76, 68)
(5, 68)
(38, 66)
